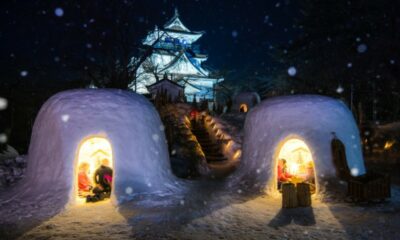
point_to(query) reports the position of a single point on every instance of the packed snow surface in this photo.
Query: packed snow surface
(127, 120)
(205, 212)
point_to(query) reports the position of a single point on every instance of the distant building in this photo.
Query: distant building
(175, 55)
(171, 89)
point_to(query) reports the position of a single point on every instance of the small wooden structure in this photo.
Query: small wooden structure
(169, 89)
(304, 194)
(289, 196)
(369, 187)
(298, 195)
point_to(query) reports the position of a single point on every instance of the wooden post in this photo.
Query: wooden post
(304, 194)
(289, 197)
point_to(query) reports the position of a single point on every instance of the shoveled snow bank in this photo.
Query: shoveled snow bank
(310, 118)
(127, 120)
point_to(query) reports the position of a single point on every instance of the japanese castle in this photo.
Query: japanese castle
(175, 55)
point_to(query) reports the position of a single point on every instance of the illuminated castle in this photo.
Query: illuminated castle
(175, 55)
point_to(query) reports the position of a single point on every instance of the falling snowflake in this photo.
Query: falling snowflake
(392, 61)
(59, 12)
(3, 138)
(56, 59)
(149, 185)
(239, 191)
(292, 71)
(65, 117)
(182, 202)
(162, 128)
(23, 73)
(155, 137)
(234, 33)
(354, 171)
(128, 190)
(339, 89)
(349, 65)
(88, 45)
(3, 103)
(362, 48)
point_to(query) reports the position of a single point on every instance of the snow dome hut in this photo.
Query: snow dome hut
(87, 126)
(298, 130)
(244, 101)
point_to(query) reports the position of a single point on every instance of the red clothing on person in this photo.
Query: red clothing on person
(83, 182)
(283, 175)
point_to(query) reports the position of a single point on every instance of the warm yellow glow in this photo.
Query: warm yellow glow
(92, 151)
(389, 144)
(243, 108)
(298, 157)
(237, 154)
(187, 119)
(228, 145)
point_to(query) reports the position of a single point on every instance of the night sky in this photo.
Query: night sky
(44, 42)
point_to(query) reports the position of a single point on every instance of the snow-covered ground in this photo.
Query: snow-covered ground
(206, 211)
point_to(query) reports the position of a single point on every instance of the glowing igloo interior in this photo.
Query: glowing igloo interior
(296, 156)
(91, 152)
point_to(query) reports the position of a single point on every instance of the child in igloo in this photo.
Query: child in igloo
(102, 179)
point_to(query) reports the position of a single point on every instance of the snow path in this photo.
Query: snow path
(91, 221)
(216, 214)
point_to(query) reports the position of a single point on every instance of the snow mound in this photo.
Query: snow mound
(250, 99)
(310, 118)
(127, 120)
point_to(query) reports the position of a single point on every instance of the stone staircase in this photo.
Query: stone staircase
(210, 149)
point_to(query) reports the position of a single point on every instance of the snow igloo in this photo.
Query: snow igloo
(299, 131)
(88, 126)
(244, 101)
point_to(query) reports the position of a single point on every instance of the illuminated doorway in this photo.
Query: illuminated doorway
(295, 164)
(243, 108)
(92, 152)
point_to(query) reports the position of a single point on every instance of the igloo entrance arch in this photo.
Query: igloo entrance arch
(243, 108)
(294, 163)
(91, 152)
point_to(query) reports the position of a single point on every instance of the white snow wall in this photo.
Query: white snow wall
(130, 123)
(310, 118)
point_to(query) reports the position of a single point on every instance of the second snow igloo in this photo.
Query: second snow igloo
(297, 132)
(245, 101)
(90, 125)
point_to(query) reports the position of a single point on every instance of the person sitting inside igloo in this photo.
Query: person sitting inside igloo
(283, 174)
(103, 179)
(84, 183)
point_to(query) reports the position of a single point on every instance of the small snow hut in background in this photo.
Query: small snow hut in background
(298, 127)
(87, 125)
(245, 101)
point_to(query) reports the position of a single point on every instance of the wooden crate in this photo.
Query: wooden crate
(289, 195)
(369, 187)
(304, 194)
